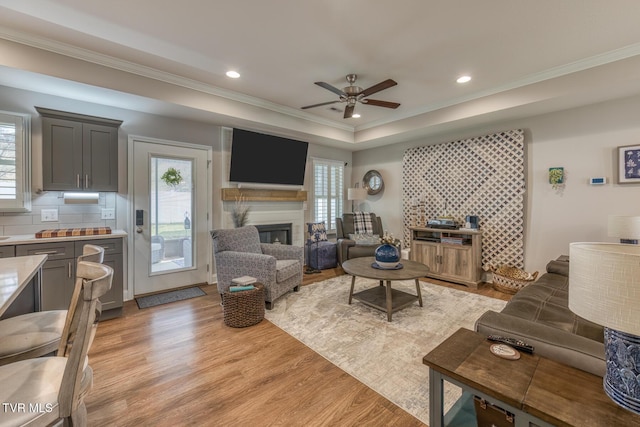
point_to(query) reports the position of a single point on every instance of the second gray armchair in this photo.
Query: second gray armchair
(347, 247)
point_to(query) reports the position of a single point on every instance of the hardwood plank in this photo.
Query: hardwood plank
(178, 364)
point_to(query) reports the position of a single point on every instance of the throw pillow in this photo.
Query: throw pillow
(365, 238)
(317, 232)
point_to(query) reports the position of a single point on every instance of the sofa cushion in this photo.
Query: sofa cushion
(558, 267)
(286, 268)
(365, 238)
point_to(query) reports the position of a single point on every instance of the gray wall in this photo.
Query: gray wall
(582, 140)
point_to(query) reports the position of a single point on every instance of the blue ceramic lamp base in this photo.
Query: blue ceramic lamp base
(622, 379)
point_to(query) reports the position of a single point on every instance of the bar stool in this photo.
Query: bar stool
(38, 334)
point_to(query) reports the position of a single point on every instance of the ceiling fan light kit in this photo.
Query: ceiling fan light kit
(353, 94)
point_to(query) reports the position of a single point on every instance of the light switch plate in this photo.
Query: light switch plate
(48, 215)
(108, 214)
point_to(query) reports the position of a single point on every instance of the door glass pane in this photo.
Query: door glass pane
(171, 198)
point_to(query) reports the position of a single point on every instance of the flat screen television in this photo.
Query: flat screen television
(267, 159)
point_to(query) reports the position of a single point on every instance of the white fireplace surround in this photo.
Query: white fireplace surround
(259, 214)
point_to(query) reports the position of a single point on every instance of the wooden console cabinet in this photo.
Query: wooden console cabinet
(451, 255)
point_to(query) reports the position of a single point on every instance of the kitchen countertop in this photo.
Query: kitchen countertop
(16, 274)
(25, 239)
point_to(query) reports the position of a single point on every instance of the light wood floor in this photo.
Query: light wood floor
(178, 364)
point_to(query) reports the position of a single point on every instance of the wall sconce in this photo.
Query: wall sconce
(81, 198)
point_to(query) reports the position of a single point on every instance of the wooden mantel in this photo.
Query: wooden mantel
(254, 195)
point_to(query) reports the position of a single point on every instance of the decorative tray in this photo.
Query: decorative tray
(379, 267)
(64, 232)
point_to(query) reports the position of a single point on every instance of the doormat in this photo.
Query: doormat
(167, 297)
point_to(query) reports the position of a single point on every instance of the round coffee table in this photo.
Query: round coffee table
(383, 297)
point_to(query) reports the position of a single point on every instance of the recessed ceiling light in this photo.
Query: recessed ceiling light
(356, 116)
(233, 74)
(464, 79)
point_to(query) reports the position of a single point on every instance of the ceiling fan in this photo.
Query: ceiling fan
(352, 94)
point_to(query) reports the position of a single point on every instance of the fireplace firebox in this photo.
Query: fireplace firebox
(275, 233)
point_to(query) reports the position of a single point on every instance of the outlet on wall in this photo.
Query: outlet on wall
(108, 214)
(47, 215)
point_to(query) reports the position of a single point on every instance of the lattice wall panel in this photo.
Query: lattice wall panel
(481, 176)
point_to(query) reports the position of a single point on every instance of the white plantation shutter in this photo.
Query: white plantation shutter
(328, 190)
(15, 185)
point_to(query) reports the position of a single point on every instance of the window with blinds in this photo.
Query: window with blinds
(328, 191)
(15, 183)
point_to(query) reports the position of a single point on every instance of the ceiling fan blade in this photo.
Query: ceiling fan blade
(377, 88)
(348, 111)
(331, 88)
(319, 105)
(379, 103)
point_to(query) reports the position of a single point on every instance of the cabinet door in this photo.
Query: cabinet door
(99, 157)
(61, 154)
(113, 258)
(456, 261)
(7, 251)
(427, 254)
(57, 284)
(113, 298)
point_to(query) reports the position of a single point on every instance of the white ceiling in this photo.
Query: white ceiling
(525, 57)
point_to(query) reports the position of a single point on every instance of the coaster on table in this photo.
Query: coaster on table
(504, 351)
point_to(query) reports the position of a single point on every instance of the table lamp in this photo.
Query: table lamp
(626, 228)
(604, 287)
(356, 193)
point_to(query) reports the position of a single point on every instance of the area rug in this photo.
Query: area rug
(167, 297)
(386, 356)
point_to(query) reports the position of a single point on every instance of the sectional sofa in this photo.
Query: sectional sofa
(540, 316)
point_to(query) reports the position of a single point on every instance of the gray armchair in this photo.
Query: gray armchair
(347, 248)
(238, 252)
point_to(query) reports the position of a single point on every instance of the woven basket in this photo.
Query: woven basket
(511, 279)
(243, 308)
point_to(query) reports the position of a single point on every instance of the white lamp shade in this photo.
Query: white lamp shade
(356, 194)
(624, 227)
(604, 284)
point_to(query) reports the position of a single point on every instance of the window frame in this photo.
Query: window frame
(335, 198)
(22, 200)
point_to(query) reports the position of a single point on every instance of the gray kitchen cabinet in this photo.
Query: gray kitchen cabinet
(7, 251)
(79, 153)
(58, 273)
(112, 300)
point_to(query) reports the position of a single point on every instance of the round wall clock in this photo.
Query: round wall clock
(372, 181)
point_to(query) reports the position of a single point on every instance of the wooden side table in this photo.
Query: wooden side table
(537, 390)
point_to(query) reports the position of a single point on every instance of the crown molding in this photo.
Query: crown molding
(155, 74)
(555, 72)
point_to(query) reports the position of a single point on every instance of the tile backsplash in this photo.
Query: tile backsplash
(69, 216)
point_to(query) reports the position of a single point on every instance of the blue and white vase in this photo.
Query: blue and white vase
(387, 256)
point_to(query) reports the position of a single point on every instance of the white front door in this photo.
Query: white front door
(170, 220)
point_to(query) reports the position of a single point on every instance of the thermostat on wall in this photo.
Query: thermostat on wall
(598, 180)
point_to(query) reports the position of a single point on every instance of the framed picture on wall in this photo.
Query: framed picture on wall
(629, 164)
